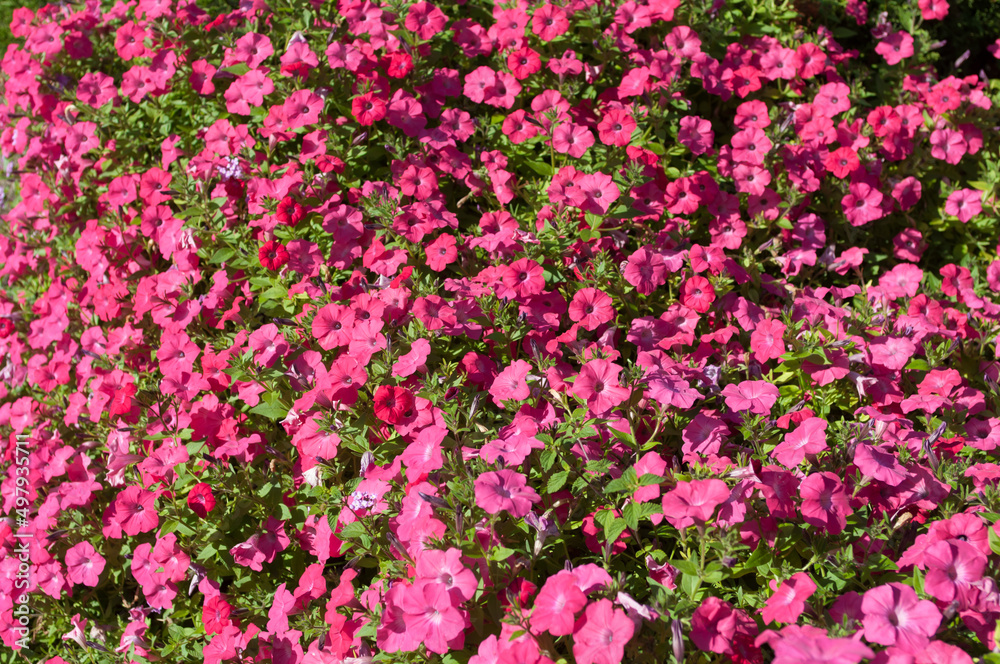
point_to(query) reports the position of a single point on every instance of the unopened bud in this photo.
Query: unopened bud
(677, 639)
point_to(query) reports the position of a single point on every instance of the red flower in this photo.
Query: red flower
(201, 500)
(273, 255)
(289, 212)
(121, 404)
(368, 109)
(392, 404)
(6, 328)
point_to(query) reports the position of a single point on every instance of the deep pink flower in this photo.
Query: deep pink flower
(597, 384)
(431, 615)
(880, 464)
(446, 568)
(599, 193)
(757, 396)
(505, 491)
(893, 353)
(368, 109)
(135, 509)
(616, 128)
(825, 503)
(953, 569)
(715, 625)
(591, 308)
(862, 204)
(645, 270)
(556, 605)
(964, 204)
(694, 502)
(789, 600)
(696, 134)
(895, 616)
(809, 438)
(766, 340)
(511, 383)
(697, 293)
(84, 565)
(750, 146)
(602, 634)
(895, 46)
(549, 21)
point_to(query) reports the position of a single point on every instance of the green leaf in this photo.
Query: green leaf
(994, 541)
(272, 411)
(557, 481)
(222, 255)
(690, 584)
(541, 168)
(502, 553)
(613, 526)
(238, 69)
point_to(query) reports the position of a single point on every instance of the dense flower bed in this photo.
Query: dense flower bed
(575, 332)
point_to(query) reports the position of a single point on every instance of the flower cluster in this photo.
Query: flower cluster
(528, 332)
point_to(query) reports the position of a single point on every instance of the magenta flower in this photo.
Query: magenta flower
(511, 383)
(431, 615)
(757, 396)
(694, 502)
(801, 644)
(505, 491)
(715, 624)
(789, 599)
(895, 616)
(964, 204)
(591, 308)
(84, 565)
(135, 510)
(269, 345)
(809, 438)
(597, 384)
(602, 634)
(953, 569)
(645, 270)
(880, 464)
(895, 47)
(696, 134)
(556, 605)
(825, 503)
(766, 341)
(446, 568)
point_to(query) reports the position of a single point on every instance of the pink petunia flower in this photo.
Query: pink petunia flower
(895, 46)
(809, 438)
(511, 383)
(691, 503)
(757, 396)
(964, 204)
(789, 600)
(597, 384)
(430, 615)
(601, 636)
(556, 604)
(954, 568)
(504, 491)
(715, 625)
(766, 340)
(135, 510)
(825, 503)
(84, 565)
(591, 308)
(895, 616)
